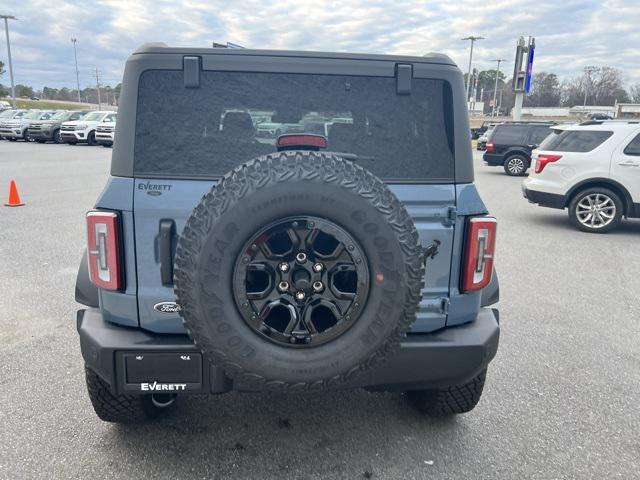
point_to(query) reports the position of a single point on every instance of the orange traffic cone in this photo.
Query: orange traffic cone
(14, 197)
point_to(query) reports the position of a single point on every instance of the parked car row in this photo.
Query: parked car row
(592, 168)
(59, 126)
(482, 139)
(477, 132)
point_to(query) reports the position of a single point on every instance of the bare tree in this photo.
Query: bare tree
(545, 91)
(602, 86)
(634, 93)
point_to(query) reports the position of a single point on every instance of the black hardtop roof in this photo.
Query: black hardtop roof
(161, 48)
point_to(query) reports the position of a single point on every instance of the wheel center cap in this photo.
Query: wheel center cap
(301, 279)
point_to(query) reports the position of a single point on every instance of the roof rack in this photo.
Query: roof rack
(600, 122)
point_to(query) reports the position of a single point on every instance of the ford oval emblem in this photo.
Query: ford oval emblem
(154, 193)
(167, 307)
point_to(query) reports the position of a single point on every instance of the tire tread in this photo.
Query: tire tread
(117, 408)
(448, 401)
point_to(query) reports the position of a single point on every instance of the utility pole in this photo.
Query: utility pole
(495, 85)
(473, 40)
(6, 31)
(75, 56)
(587, 71)
(98, 88)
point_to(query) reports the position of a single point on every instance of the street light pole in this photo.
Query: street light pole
(6, 30)
(75, 56)
(495, 85)
(473, 39)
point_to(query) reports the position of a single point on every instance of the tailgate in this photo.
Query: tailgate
(162, 208)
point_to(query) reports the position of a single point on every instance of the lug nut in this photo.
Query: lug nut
(283, 286)
(301, 257)
(284, 267)
(318, 267)
(318, 286)
(300, 296)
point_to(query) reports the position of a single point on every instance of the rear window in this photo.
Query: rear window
(574, 140)
(509, 134)
(235, 116)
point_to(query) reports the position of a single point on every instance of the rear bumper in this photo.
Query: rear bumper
(132, 360)
(544, 199)
(493, 159)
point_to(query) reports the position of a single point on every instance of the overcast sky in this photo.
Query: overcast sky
(570, 34)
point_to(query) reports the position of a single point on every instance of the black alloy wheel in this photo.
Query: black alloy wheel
(301, 281)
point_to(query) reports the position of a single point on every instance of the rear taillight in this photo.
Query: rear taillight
(489, 147)
(479, 251)
(103, 250)
(544, 159)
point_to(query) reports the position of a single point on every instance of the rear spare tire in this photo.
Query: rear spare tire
(298, 271)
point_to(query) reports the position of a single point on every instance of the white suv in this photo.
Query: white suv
(105, 131)
(593, 169)
(84, 129)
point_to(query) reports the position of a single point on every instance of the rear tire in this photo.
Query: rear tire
(91, 139)
(56, 137)
(444, 402)
(120, 408)
(601, 220)
(516, 165)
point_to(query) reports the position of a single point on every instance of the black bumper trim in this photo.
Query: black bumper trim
(493, 159)
(545, 199)
(451, 356)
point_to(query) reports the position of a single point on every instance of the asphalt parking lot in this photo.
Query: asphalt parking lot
(561, 400)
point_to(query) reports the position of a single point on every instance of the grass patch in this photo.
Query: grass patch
(51, 104)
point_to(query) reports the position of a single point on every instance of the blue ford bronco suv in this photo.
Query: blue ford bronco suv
(351, 251)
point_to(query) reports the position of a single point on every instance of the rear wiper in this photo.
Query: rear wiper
(353, 157)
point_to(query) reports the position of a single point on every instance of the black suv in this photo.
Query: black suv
(510, 145)
(355, 255)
